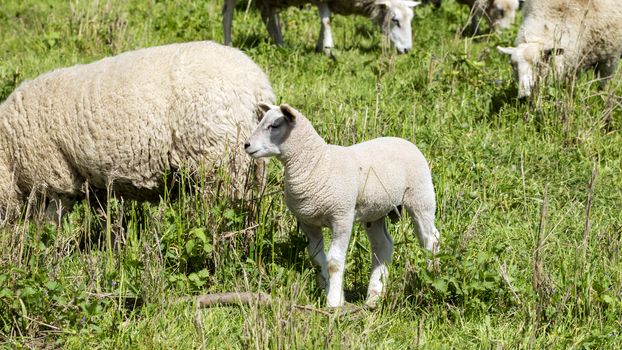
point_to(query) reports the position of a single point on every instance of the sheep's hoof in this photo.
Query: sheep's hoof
(372, 301)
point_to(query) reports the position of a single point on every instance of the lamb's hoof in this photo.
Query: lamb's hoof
(373, 301)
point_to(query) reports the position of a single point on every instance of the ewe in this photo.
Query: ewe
(574, 33)
(393, 16)
(332, 186)
(126, 121)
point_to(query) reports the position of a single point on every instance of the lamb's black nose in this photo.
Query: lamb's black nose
(247, 145)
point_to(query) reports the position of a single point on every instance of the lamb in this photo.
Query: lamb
(575, 33)
(125, 121)
(393, 16)
(331, 186)
(499, 14)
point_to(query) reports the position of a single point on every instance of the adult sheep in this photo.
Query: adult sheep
(574, 33)
(332, 186)
(393, 16)
(125, 121)
(499, 14)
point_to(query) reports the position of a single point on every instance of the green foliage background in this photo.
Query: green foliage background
(529, 197)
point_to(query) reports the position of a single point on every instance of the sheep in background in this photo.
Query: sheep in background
(393, 16)
(499, 14)
(127, 120)
(574, 33)
(332, 186)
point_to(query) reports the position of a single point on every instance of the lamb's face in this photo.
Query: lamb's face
(397, 26)
(525, 58)
(271, 132)
(502, 13)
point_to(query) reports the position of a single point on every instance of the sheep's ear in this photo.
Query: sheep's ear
(265, 107)
(288, 112)
(506, 50)
(411, 4)
(382, 3)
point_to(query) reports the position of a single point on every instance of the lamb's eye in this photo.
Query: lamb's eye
(395, 21)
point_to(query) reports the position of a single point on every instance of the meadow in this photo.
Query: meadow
(529, 197)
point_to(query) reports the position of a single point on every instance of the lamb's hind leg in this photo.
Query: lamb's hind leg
(316, 252)
(381, 251)
(421, 207)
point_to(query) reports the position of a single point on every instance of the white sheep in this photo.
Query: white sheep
(574, 33)
(499, 14)
(127, 120)
(332, 186)
(393, 16)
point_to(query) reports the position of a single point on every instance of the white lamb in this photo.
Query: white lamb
(575, 33)
(499, 14)
(332, 186)
(127, 120)
(393, 16)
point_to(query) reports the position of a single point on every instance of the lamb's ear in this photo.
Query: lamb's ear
(552, 52)
(506, 50)
(411, 4)
(288, 112)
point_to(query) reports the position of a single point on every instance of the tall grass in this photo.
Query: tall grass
(528, 199)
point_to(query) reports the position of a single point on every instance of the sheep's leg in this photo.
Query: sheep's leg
(342, 230)
(227, 19)
(316, 252)
(606, 70)
(325, 40)
(381, 251)
(270, 18)
(421, 208)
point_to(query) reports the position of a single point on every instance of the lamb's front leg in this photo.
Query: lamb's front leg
(325, 40)
(342, 230)
(381, 251)
(316, 251)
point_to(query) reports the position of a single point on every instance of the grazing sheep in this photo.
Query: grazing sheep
(126, 120)
(332, 186)
(499, 14)
(394, 16)
(575, 33)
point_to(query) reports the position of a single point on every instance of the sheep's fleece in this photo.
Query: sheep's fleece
(126, 120)
(575, 33)
(332, 186)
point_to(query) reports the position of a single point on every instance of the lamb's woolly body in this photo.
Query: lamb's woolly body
(333, 186)
(589, 31)
(128, 119)
(373, 179)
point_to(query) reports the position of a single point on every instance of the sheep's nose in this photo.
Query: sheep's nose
(247, 145)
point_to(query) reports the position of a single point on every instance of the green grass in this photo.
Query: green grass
(530, 244)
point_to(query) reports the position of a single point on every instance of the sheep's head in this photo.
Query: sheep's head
(530, 62)
(502, 13)
(395, 19)
(272, 131)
